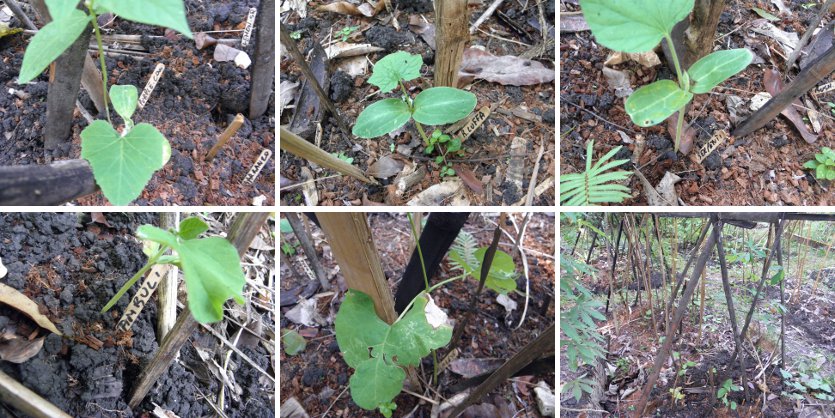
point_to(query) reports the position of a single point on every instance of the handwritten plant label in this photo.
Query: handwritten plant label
(152, 84)
(250, 23)
(258, 166)
(474, 121)
(149, 285)
(826, 88)
(718, 138)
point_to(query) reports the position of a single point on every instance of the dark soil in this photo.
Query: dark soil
(71, 267)
(486, 152)
(759, 169)
(192, 105)
(318, 376)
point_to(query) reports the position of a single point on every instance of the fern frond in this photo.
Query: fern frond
(462, 255)
(595, 186)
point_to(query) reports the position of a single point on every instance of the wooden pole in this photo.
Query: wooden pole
(46, 185)
(821, 68)
(167, 289)
(299, 147)
(450, 37)
(63, 91)
(27, 401)
(825, 8)
(352, 245)
(699, 37)
(308, 248)
(228, 133)
(263, 69)
(726, 286)
(241, 233)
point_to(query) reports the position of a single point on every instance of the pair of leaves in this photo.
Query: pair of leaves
(823, 164)
(595, 186)
(211, 267)
(502, 275)
(123, 165)
(68, 23)
(434, 106)
(379, 351)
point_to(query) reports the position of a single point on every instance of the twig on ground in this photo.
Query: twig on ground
(487, 13)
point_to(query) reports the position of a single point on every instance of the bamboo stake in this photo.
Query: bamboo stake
(308, 248)
(241, 233)
(230, 131)
(726, 286)
(263, 69)
(825, 258)
(297, 146)
(167, 291)
(27, 401)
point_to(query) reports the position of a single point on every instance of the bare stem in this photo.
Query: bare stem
(101, 59)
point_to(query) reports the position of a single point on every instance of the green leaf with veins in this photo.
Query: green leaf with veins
(392, 68)
(654, 103)
(192, 227)
(502, 275)
(50, 42)
(381, 117)
(717, 67)
(441, 105)
(125, 100)
(378, 351)
(635, 25)
(166, 13)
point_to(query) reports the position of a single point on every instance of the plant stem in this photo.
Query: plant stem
(422, 133)
(420, 253)
(412, 109)
(679, 127)
(151, 262)
(683, 83)
(101, 59)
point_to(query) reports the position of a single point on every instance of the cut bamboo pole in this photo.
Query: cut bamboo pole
(241, 233)
(230, 131)
(308, 248)
(297, 146)
(167, 291)
(450, 37)
(263, 69)
(27, 401)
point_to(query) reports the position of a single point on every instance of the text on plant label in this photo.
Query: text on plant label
(826, 88)
(149, 285)
(711, 145)
(474, 122)
(152, 84)
(250, 23)
(258, 166)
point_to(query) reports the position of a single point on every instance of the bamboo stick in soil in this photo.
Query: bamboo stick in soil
(167, 290)
(241, 233)
(450, 37)
(263, 69)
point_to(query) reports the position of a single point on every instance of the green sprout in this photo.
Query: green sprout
(346, 32)
(639, 26)
(823, 164)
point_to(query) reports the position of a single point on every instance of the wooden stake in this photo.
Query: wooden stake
(241, 233)
(299, 147)
(46, 185)
(726, 285)
(450, 37)
(63, 90)
(27, 401)
(263, 69)
(167, 290)
(308, 248)
(230, 131)
(699, 37)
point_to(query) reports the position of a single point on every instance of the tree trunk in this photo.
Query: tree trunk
(263, 70)
(700, 36)
(451, 35)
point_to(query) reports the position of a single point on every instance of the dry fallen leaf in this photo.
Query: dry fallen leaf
(17, 350)
(506, 69)
(687, 137)
(345, 8)
(426, 30)
(647, 59)
(774, 85)
(10, 296)
(385, 167)
(98, 217)
(468, 177)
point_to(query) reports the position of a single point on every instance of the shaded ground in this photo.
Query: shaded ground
(71, 266)
(193, 103)
(318, 377)
(487, 151)
(763, 168)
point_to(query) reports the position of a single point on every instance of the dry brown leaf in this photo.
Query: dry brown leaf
(423, 28)
(469, 179)
(345, 8)
(687, 136)
(647, 59)
(17, 350)
(12, 297)
(774, 85)
(385, 167)
(506, 69)
(98, 217)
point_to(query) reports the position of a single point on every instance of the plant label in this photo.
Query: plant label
(826, 88)
(711, 145)
(152, 84)
(149, 285)
(473, 122)
(258, 166)
(250, 23)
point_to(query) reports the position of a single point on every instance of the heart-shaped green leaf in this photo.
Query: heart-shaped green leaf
(634, 25)
(165, 13)
(392, 68)
(124, 99)
(653, 103)
(441, 105)
(381, 117)
(123, 166)
(717, 67)
(50, 42)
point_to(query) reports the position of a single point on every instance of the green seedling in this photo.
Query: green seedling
(464, 255)
(379, 352)
(446, 145)
(122, 163)
(823, 164)
(296, 35)
(346, 32)
(595, 186)
(211, 267)
(433, 106)
(293, 342)
(639, 26)
(341, 155)
(727, 387)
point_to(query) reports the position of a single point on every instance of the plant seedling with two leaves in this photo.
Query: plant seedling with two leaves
(639, 26)
(823, 164)
(722, 394)
(211, 267)
(122, 163)
(433, 106)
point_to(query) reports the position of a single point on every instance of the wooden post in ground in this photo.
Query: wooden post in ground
(167, 289)
(699, 37)
(63, 91)
(821, 68)
(726, 286)
(241, 233)
(308, 248)
(451, 35)
(30, 403)
(46, 185)
(263, 68)
(664, 352)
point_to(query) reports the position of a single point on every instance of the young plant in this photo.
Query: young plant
(639, 26)
(727, 387)
(433, 106)
(122, 163)
(465, 256)
(594, 185)
(211, 267)
(823, 164)
(445, 145)
(345, 32)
